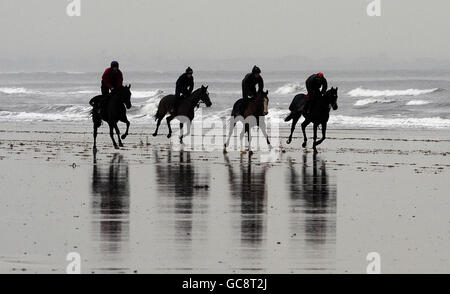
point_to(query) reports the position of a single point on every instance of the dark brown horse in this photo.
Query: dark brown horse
(257, 108)
(185, 109)
(112, 110)
(318, 115)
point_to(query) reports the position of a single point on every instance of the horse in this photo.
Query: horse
(318, 115)
(112, 110)
(257, 108)
(185, 108)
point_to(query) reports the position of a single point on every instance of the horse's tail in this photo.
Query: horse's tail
(289, 117)
(158, 115)
(96, 118)
(163, 108)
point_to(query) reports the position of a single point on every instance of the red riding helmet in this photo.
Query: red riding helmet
(320, 75)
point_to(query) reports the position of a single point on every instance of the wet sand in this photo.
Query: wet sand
(151, 208)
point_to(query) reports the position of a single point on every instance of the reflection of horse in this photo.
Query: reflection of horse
(252, 192)
(257, 108)
(318, 115)
(185, 109)
(314, 194)
(111, 201)
(182, 181)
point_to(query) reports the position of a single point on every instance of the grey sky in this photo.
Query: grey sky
(159, 32)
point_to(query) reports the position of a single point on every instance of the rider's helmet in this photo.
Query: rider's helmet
(114, 64)
(320, 75)
(189, 70)
(256, 70)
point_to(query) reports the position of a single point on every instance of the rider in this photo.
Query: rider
(112, 78)
(184, 87)
(313, 85)
(249, 86)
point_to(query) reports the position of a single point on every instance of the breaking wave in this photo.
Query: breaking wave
(417, 102)
(367, 101)
(361, 92)
(289, 89)
(17, 90)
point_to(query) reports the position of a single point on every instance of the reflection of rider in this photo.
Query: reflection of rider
(184, 87)
(249, 86)
(313, 85)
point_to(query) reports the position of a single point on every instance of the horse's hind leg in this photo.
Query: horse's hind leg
(168, 120)
(294, 123)
(111, 134)
(128, 127)
(324, 133)
(118, 134)
(158, 123)
(305, 139)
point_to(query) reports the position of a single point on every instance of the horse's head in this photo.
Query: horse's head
(332, 97)
(125, 95)
(204, 96)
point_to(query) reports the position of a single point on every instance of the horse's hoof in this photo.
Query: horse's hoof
(154, 134)
(116, 147)
(123, 137)
(120, 145)
(169, 136)
(288, 141)
(304, 145)
(250, 152)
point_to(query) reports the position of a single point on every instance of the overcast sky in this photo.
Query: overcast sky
(158, 33)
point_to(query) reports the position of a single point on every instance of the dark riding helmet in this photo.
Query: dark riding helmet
(114, 64)
(256, 70)
(189, 70)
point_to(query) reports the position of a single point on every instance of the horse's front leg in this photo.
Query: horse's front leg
(324, 133)
(305, 139)
(315, 137)
(294, 123)
(181, 132)
(168, 120)
(95, 137)
(127, 122)
(118, 134)
(249, 137)
(111, 134)
(263, 128)
(158, 123)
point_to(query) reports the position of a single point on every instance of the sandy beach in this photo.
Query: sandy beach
(153, 208)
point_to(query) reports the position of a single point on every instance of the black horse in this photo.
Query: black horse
(185, 109)
(319, 114)
(111, 108)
